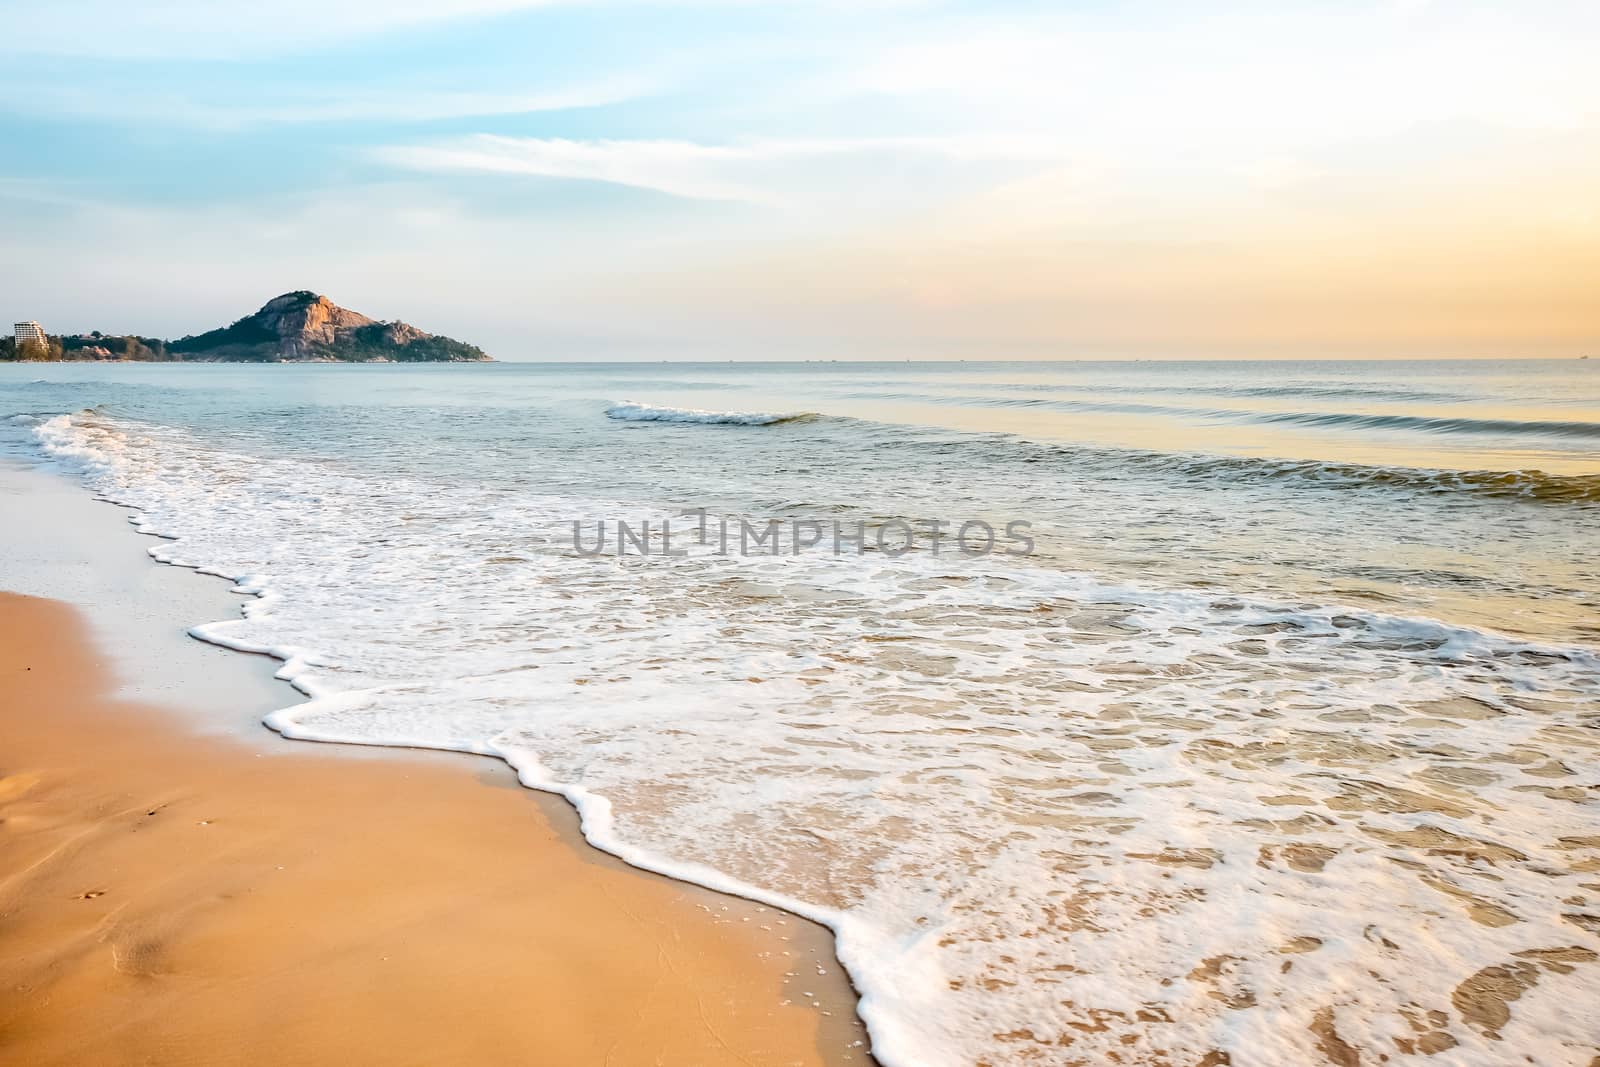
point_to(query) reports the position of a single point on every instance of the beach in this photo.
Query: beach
(957, 534)
(173, 894)
(1257, 729)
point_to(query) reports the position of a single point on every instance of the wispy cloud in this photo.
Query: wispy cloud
(772, 172)
(235, 28)
(226, 110)
(212, 28)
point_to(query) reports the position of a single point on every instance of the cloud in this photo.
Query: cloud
(212, 28)
(228, 109)
(148, 29)
(1211, 81)
(772, 172)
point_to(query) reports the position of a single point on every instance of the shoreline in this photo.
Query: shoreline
(736, 968)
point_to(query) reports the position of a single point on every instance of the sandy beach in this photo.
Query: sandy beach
(176, 898)
(1281, 757)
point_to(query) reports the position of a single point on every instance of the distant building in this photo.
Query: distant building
(30, 331)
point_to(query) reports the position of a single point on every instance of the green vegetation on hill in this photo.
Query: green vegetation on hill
(376, 342)
(246, 332)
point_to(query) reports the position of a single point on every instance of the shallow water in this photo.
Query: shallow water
(1284, 742)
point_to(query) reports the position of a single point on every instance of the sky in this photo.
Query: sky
(873, 179)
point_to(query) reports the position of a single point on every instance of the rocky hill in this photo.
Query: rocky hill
(305, 326)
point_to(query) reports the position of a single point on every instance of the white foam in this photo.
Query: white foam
(1049, 818)
(632, 411)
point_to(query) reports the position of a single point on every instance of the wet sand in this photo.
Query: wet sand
(169, 897)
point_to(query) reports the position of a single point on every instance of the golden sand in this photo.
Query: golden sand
(166, 898)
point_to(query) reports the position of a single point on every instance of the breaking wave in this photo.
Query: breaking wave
(633, 411)
(1531, 485)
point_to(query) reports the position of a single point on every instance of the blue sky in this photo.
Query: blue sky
(816, 180)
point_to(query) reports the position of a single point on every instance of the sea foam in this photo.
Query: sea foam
(1052, 819)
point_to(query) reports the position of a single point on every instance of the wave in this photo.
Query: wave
(633, 411)
(1117, 463)
(1291, 390)
(1432, 424)
(1529, 485)
(1532, 485)
(1343, 420)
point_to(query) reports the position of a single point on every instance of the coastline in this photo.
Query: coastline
(275, 880)
(238, 362)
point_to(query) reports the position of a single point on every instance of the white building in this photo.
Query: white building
(30, 331)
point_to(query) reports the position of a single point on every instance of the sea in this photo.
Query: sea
(1140, 713)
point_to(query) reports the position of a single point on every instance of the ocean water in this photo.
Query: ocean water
(1280, 746)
